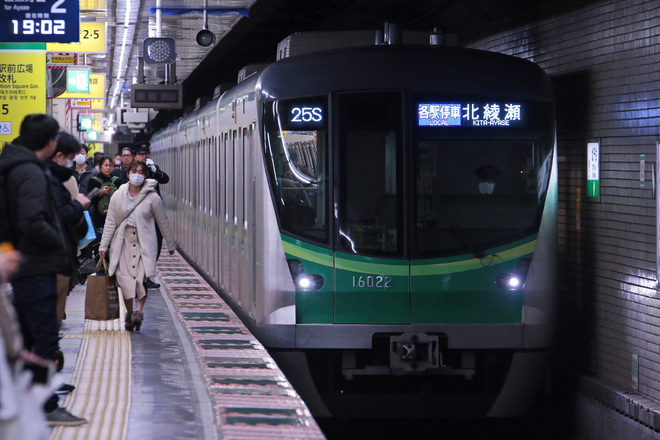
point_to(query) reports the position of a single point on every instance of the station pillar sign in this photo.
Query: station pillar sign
(22, 85)
(593, 169)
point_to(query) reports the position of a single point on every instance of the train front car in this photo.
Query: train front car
(415, 188)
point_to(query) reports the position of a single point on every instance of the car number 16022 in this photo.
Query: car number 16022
(372, 281)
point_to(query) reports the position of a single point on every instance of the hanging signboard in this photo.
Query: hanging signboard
(40, 21)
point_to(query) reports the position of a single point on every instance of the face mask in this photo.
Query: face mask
(80, 158)
(69, 163)
(486, 187)
(97, 168)
(118, 162)
(136, 179)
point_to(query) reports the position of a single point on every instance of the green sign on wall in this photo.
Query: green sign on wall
(77, 80)
(593, 169)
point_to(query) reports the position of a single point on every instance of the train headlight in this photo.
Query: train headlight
(302, 280)
(516, 280)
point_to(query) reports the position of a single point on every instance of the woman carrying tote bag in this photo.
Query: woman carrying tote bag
(131, 235)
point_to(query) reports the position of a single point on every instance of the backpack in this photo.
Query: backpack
(104, 201)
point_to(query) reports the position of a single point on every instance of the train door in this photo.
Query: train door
(371, 274)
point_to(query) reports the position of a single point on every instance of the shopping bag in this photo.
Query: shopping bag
(101, 297)
(90, 236)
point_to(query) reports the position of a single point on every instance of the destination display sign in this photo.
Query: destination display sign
(40, 21)
(470, 114)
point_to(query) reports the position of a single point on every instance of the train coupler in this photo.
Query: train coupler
(415, 352)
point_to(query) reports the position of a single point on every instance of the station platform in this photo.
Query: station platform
(193, 371)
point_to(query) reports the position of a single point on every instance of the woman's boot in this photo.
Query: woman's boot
(128, 324)
(138, 317)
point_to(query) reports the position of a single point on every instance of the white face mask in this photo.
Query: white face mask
(118, 162)
(486, 187)
(136, 179)
(80, 158)
(69, 163)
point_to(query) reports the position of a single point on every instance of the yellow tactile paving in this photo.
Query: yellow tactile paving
(102, 379)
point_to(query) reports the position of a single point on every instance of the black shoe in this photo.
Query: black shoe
(150, 284)
(62, 417)
(65, 389)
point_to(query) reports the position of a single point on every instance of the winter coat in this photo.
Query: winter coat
(149, 208)
(70, 211)
(32, 212)
(83, 178)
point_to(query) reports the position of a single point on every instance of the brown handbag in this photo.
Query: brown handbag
(101, 297)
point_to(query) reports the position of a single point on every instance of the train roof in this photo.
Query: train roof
(417, 68)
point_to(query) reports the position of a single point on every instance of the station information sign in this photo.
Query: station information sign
(470, 114)
(40, 21)
(22, 85)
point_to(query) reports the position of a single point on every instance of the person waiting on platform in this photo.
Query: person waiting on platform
(82, 170)
(108, 185)
(126, 161)
(69, 208)
(130, 234)
(37, 233)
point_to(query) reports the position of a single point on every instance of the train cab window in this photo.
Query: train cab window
(475, 194)
(296, 155)
(370, 173)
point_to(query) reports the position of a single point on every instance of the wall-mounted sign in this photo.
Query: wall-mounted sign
(593, 169)
(40, 21)
(22, 85)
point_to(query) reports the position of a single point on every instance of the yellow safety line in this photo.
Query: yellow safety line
(102, 378)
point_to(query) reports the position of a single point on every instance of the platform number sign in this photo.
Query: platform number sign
(44, 21)
(593, 169)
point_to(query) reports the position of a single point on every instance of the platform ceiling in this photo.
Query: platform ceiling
(247, 31)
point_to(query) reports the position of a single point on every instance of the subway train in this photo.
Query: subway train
(384, 219)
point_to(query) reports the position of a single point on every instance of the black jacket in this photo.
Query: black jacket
(32, 213)
(83, 178)
(70, 211)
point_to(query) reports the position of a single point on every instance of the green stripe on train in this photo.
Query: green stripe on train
(359, 264)
(457, 289)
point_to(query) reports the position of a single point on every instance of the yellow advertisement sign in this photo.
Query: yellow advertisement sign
(86, 104)
(22, 85)
(96, 88)
(92, 39)
(92, 5)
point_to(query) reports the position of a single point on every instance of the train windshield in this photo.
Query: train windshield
(475, 194)
(296, 144)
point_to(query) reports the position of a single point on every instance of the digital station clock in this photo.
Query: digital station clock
(47, 21)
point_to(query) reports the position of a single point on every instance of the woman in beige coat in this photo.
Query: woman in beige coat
(130, 233)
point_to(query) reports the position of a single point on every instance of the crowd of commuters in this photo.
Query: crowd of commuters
(45, 177)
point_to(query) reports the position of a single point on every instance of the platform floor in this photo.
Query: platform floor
(193, 371)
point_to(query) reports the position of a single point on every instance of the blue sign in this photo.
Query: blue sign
(46, 21)
(469, 114)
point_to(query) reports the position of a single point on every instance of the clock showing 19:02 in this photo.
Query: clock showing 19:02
(49, 21)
